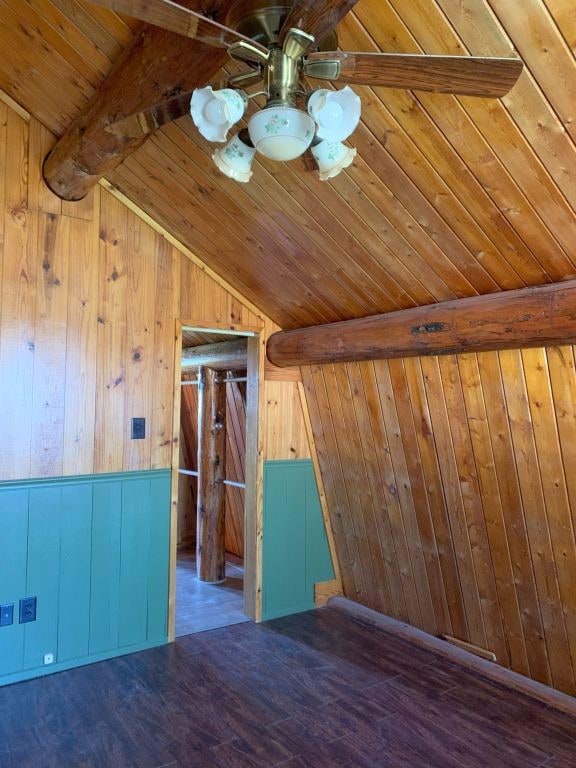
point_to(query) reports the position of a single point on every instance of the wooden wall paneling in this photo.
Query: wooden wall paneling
(50, 240)
(141, 179)
(42, 572)
(324, 590)
(536, 521)
(481, 185)
(112, 342)
(286, 231)
(235, 459)
(66, 86)
(562, 13)
(535, 31)
(263, 233)
(397, 503)
(40, 197)
(515, 653)
(77, 36)
(389, 526)
(207, 233)
(74, 573)
(285, 429)
(189, 454)
(321, 427)
(456, 522)
(17, 305)
(413, 252)
(405, 453)
(558, 513)
(517, 540)
(472, 506)
(111, 32)
(561, 367)
(14, 509)
(433, 484)
(371, 285)
(139, 350)
(81, 346)
(134, 542)
(556, 152)
(166, 308)
(361, 525)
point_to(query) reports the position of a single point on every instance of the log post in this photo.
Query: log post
(210, 509)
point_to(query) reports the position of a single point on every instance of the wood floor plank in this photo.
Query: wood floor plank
(314, 690)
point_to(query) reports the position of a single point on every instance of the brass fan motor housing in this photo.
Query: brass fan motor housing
(261, 20)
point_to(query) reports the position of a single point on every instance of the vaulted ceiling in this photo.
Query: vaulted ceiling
(448, 197)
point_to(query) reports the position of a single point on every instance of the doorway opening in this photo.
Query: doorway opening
(218, 386)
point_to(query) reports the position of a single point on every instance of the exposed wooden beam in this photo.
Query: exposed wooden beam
(223, 356)
(529, 317)
(210, 508)
(156, 67)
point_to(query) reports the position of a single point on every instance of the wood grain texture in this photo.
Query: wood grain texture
(316, 690)
(468, 529)
(447, 197)
(88, 310)
(211, 501)
(179, 19)
(530, 317)
(463, 75)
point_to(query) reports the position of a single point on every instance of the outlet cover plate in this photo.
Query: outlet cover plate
(138, 428)
(6, 615)
(27, 610)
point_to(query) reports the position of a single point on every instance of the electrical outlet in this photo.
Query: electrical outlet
(27, 610)
(48, 658)
(138, 428)
(6, 615)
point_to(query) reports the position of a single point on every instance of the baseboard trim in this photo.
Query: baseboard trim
(501, 675)
(52, 669)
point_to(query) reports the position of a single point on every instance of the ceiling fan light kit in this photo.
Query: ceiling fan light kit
(235, 159)
(282, 42)
(336, 113)
(332, 157)
(215, 112)
(281, 133)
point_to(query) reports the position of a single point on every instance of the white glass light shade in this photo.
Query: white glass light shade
(215, 112)
(337, 113)
(235, 159)
(332, 157)
(281, 133)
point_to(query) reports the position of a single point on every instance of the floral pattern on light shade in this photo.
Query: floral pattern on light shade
(233, 151)
(335, 150)
(275, 123)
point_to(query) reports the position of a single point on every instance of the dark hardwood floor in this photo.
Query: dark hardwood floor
(318, 689)
(200, 606)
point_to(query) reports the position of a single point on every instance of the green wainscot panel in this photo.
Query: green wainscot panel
(94, 551)
(295, 551)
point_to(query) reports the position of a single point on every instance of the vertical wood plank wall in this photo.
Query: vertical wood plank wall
(453, 496)
(89, 297)
(235, 462)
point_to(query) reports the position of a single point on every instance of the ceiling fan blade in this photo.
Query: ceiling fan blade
(175, 18)
(317, 17)
(463, 75)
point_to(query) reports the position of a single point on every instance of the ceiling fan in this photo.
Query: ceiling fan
(282, 42)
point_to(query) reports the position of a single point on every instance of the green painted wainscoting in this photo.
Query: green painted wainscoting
(295, 552)
(94, 550)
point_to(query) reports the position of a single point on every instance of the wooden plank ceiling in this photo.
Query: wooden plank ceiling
(448, 197)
